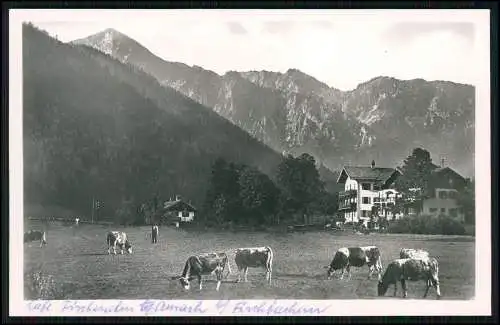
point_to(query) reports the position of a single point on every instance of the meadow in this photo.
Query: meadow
(76, 258)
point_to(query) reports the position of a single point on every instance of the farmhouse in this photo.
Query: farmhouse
(176, 212)
(442, 193)
(364, 188)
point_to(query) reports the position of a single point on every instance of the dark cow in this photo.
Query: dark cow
(36, 235)
(413, 253)
(118, 238)
(204, 264)
(254, 257)
(154, 234)
(347, 257)
(410, 269)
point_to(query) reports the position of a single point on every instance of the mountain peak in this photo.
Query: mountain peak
(294, 71)
(111, 41)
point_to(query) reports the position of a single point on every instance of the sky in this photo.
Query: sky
(342, 48)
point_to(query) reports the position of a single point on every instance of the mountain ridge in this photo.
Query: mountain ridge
(109, 127)
(295, 112)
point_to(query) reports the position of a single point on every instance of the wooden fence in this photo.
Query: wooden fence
(68, 220)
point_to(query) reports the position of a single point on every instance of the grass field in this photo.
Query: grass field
(77, 258)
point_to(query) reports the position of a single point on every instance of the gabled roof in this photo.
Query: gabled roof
(168, 205)
(380, 174)
(444, 170)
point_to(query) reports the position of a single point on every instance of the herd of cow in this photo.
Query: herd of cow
(412, 264)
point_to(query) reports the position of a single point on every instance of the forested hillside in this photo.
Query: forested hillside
(94, 127)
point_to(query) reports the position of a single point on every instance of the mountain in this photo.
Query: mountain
(95, 127)
(382, 119)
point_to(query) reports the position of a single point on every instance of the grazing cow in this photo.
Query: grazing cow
(154, 234)
(119, 238)
(254, 257)
(204, 264)
(410, 269)
(36, 235)
(347, 257)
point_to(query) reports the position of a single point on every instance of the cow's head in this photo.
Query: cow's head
(381, 288)
(128, 247)
(184, 283)
(330, 271)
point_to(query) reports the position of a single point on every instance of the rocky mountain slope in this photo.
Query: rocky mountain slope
(382, 119)
(95, 127)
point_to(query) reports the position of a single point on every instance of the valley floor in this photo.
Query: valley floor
(77, 260)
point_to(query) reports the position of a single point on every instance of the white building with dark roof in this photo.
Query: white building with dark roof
(364, 188)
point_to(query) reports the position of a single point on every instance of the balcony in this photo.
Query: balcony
(348, 194)
(349, 206)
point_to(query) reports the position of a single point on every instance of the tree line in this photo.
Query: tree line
(242, 195)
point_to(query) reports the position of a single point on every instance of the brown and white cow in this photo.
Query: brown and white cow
(254, 257)
(204, 264)
(413, 253)
(347, 257)
(410, 269)
(118, 238)
(36, 235)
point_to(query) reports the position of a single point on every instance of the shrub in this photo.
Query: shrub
(41, 286)
(428, 225)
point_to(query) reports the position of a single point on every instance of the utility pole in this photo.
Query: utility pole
(92, 213)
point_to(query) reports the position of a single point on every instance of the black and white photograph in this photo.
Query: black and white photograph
(178, 158)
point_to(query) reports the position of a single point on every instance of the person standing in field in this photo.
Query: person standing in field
(154, 234)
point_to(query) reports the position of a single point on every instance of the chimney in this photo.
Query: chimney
(177, 197)
(373, 163)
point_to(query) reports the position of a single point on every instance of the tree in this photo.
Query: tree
(416, 173)
(467, 200)
(258, 195)
(222, 198)
(299, 181)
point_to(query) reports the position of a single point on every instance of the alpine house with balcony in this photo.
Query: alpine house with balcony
(364, 188)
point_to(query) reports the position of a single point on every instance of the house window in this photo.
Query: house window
(366, 200)
(433, 210)
(365, 186)
(452, 195)
(376, 187)
(443, 195)
(376, 199)
(443, 210)
(453, 212)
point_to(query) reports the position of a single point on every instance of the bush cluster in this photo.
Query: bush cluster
(427, 225)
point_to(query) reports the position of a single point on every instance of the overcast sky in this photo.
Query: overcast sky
(339, 47)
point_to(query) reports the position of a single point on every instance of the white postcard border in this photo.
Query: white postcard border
(480, 305)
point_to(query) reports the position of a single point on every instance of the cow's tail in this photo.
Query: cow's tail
(270, 257)
(379, 262)
(108, 239)
(435, 267)
(226, 263)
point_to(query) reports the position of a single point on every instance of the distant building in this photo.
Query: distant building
(442, 193)
(176, 212)
(364, 188)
